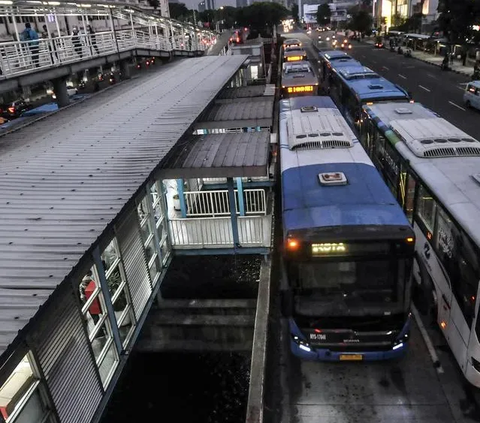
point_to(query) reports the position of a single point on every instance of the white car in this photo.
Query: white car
(71, 90)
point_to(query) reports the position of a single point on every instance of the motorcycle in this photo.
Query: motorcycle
(112, 79)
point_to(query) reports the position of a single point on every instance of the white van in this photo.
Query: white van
(472, 95)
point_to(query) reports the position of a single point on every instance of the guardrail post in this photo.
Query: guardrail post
(241, 202)
(181, 195)
(233, 213)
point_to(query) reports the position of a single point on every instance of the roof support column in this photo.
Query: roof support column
(97, 259)
(241, 201)
(132, 25)
(233, 213)
(172, 36)
(181, 197)
(60, 90)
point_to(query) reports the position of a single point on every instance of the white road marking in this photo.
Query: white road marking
(423, 88)
(384, 67)
(363, 56)
(460, 88)
(427, 340)
(456, 105)
(401, 76)
(431, 76)
(374, 61)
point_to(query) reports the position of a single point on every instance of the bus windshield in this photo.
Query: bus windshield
(349, 288)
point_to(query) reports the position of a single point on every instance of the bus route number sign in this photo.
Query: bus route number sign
(302, 89)
(328, 248)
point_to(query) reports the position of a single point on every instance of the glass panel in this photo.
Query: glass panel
(162, 230)
(426, 208)
(154, 193)
(158, 211)
(155, 268)
(32, 411)
(150, 249)
(146, 231)
(120, 302)
(410, 197)
(142, 210)
(108, 363)
(110, 255)
(354, 282)
(13, 391)
(125, 327)
(101, 338)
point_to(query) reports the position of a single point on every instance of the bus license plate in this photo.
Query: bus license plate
(351, 357)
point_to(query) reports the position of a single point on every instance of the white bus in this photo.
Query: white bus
(433, 169)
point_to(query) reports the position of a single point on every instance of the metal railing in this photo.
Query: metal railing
(215, 203)
(253, 231)
(21, 57)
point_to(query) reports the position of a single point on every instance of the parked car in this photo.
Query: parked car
(471, 97)
(71, 90)
(14, 109)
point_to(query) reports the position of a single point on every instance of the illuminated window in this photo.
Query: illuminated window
(22, 397)
(426, 207)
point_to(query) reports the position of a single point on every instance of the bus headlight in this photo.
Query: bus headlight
(305, 346)
(397, 346)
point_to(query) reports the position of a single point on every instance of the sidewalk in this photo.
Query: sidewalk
(434, 60)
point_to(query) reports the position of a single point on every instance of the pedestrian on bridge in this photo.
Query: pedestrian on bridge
(77, 43)
(93, 39)
(30, 35)
(50, 42)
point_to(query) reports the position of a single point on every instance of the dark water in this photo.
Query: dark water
(212, 277)
(197, 388)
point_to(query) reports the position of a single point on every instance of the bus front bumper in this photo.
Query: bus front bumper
(306, 352)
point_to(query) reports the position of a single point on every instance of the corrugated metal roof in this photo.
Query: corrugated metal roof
(65, 178)
(242, 92)
(256, 112)
(220, 155)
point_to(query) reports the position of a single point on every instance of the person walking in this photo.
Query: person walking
(77, 43)
(30, 35)
(49, 40)
(93, 39)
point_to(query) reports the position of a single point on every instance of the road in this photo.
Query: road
(438, 90)
(426, 386)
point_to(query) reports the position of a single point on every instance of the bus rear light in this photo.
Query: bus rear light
(429, 235)
(410, 240)
(443, 325)
(317, 330)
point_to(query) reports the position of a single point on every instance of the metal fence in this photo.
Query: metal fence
(215, 202)
(21, 57)
(253, 231)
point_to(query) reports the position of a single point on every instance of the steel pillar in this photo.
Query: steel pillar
(233, 213)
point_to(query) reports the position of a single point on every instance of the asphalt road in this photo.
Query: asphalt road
(438, 90)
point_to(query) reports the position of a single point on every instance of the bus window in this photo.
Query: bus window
(425, 209)
(453, 251)
(391, 165)
(407, 193)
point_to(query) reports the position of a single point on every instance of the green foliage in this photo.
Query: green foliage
(295, 12)
(361, 21)
(261, 16)
(323, 14)
(411, 24)
(178, 11)
(457, 17)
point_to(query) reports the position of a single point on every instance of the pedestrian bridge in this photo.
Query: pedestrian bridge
(70, 39)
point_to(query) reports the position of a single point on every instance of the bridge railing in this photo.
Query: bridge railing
(21, 57)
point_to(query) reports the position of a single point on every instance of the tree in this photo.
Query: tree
(261, 16)
(323, 14)
(457, 18)
(361, 21)
(178, 11)
(295, 12)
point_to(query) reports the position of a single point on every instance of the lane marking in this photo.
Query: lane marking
(427, 340)
(460, 88)
(423, 88)
(401, 76)
(364, 56)
(384, 67)
(456, 105)
(374, 61)
(431, 76)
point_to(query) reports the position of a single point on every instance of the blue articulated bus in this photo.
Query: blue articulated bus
(348, 247)
(352, 86)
